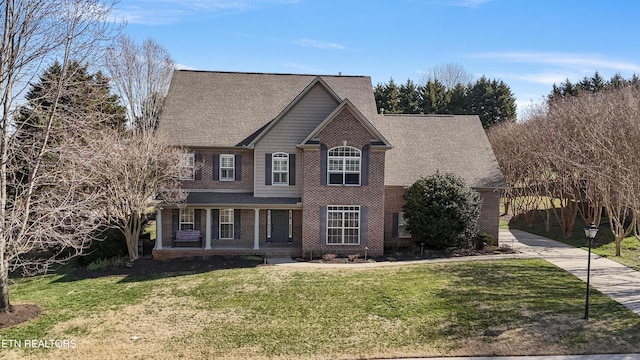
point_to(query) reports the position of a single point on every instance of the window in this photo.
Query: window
(227, 167)
(226, 224)
(187, 219)
(402, 226)
(187, 167)
(280, 168)
(343, 225)
(344, 166)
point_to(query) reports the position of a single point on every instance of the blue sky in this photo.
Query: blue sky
(529, 44)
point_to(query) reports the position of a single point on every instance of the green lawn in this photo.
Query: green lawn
(508, 307)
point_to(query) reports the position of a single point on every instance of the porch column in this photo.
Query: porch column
(256, 230)
(159, 229)
(207, 244)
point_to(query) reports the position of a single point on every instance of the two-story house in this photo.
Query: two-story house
(304, 164)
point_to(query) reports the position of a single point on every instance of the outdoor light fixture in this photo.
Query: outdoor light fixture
(590, 232)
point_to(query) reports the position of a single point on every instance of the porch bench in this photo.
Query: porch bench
(187, 237)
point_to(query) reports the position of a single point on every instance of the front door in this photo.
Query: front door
(279, 225)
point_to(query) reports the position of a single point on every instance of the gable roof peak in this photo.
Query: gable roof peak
(346, 103)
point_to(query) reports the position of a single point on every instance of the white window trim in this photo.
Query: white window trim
(189, 214)
(344, 209)
(231, 168)
(189, 166)
(343, 161)
(402, 226)
(279, 156)
(230, 222)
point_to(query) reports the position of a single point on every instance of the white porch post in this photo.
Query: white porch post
(207, 244)
(159, 228)
(256, 230)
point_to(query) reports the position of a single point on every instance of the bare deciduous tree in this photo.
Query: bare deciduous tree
(48, 212)
(449, 75)
(142, 172)
(141, 74)
(582, 156)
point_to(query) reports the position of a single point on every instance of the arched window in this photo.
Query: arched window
(344, 166)
(280, 168)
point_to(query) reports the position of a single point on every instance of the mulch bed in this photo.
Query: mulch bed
(20, 314)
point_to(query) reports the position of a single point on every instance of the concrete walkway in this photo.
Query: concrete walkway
(613, 279)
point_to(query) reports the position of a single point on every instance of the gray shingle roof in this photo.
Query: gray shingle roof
(224, 109)
(227, 109)
(424, 144)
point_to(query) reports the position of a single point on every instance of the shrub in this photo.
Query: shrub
(113, 245)
(329, 257)
(442, 210)
(480, 241)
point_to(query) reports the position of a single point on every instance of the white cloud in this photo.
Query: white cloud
(469, 3)
(319, 44)
(546, 77)
(184, 67)
(158, 12)
(585, 62)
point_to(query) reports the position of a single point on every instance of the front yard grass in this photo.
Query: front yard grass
(506, 307)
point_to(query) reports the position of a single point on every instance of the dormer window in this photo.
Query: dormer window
(344, 166)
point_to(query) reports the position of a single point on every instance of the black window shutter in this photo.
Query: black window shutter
(236, 223)
(238, 167)
(267, 169)
(323, 164)
(216, 223)
(292, 169)
(216, 167)
(364, 225)
(394, 225)
(175, 222)
(196, 219)
(323, 225)
(198, 163)
(364, 166)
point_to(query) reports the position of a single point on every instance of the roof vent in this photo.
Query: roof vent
(339, 73)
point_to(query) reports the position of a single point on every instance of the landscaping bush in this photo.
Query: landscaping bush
(114, 245)
(442, 211)
(480, 241)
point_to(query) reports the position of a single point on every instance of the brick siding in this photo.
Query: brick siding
(489, 220)
(344, 127)
(207, 182)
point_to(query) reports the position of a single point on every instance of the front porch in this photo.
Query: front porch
(269, 230)
(265, 251)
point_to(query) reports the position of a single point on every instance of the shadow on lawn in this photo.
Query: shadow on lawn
(145, 269)
(577, 237)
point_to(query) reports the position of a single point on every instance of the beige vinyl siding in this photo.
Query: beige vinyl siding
(292, 128)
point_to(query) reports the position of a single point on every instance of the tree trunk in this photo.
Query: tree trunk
(619, 244)
(5, 305)
(132, 234)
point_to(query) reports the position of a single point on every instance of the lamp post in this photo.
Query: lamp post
(590, 232)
